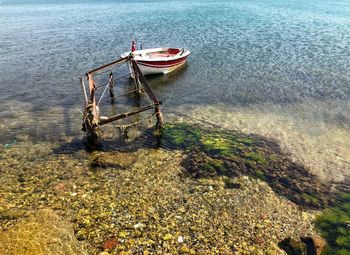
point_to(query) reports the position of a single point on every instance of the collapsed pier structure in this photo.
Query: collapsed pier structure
(93, 120)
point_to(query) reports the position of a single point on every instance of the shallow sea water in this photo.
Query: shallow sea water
(275, 68)
(278, 69)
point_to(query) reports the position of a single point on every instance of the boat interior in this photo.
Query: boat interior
(163, 53)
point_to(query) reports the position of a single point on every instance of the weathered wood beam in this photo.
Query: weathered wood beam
(124, 115)
(92, 89)
(91, 115)
(144, 82)
(117, 62)
(159, 115)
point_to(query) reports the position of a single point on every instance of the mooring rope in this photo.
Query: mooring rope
(136, 122)
(144, 92)
(103, 93)
(114, 80)
(120, 95)
(84, 117)
(101, 85)
(168, 100)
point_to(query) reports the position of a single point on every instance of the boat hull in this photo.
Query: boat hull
(159, 64)
(160, 67)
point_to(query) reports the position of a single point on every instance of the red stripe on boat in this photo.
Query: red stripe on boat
(162, 62)
(161, 66)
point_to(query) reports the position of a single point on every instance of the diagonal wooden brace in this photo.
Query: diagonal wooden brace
(147, 89)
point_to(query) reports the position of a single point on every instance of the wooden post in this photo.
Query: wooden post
(91, 115)
(111, 85)
(159, 115)
(135, 76)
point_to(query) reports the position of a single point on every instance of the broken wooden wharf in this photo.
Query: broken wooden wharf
(92, 120)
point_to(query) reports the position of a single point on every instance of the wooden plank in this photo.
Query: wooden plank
(124, 115)
(119, 62)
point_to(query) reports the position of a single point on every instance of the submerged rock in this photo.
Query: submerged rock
(314, 244)
(119, 160)
(110, 244)
(293, 247)
(305, 245)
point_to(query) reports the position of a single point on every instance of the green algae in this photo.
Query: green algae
(245, 140)
(215, 166)
(212, 152)
(311, 199)
(218, 146)
(215, 143)
(181, 135)
(260, 174)
(255, 157)
(334, 225)
(226, 144)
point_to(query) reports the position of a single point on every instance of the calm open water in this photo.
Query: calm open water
(273, 67)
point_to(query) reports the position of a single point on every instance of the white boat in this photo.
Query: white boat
(158, 60)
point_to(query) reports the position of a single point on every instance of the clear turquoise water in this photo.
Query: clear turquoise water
(244, 53)
(277, 68)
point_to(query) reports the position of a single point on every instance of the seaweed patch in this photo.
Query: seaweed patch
(334, 225)
(215, 152)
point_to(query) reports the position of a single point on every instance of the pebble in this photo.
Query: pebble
(167, 237)
(138, 225)
(158, 194)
